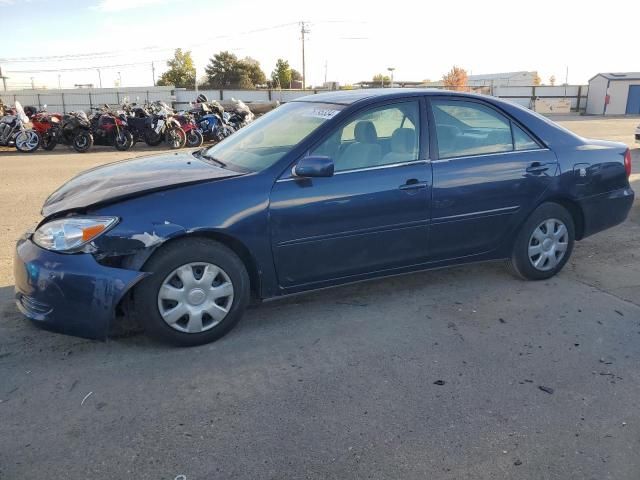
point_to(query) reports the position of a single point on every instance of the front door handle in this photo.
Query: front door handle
(537, 167)
(413, 184)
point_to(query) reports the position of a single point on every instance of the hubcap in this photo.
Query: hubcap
(27, 140)
(548, 244)
(195, 297)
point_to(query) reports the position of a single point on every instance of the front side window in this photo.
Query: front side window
(470, 128)
(379, 136)
(265, 141)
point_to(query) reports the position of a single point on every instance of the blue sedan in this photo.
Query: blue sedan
(329, 189)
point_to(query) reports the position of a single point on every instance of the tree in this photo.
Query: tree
(181, 73)
(537, 80)
(222, 71)
(281, 75)
(381, 79)
(253, 71)
(456, 79)
(296, 75)
(552, 80)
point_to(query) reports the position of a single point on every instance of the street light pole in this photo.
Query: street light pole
(99, 77)
(59, 84)
(391, 69)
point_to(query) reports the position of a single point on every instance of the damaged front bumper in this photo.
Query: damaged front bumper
(68, 293)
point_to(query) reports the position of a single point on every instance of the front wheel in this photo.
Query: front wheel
(194, 139)
(152, 138)
(197, 292)
(82, 141)
(123, 140)
(176, 138)
(48, 142)
(544, 244)
(27, 141)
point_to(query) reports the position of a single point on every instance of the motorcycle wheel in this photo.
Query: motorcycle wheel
(48, 142)
(123, 141)
(27, 141)
(152, 138)
(176, 138)
(83, 141)
(194, 139)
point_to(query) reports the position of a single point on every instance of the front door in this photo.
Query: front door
(488, 175)
(371, 215)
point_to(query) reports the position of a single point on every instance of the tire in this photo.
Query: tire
(48, 142)
(152, 138)
(194, 139)
(542, 233)
(176, 138)
(123, 141)
(82, 141)
(150, 300)
(27, 141)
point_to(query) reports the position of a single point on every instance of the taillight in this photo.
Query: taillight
(627, 162)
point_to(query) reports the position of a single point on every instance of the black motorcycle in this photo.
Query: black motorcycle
(73, 129)
(109, 129)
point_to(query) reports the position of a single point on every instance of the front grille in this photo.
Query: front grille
(34, 306)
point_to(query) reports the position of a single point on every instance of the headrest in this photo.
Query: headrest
(403, 140)
(365, 132)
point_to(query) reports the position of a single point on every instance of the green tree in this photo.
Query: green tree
(552, 80)
(253, 71)
(296, 75)
(281, 75)
(181, 73)
(537, 80)
(225, 70)
(380, 79)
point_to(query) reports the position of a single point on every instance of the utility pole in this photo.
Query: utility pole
(119, 80)
(153, 73)
(325, 72)
(4, 80)
(303, 31)
(391, 69)
(99, 77)
(59, 84)
(33, 86)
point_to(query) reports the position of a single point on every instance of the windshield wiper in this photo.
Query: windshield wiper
(201, 154)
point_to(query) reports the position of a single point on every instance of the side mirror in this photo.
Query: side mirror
(314, 166)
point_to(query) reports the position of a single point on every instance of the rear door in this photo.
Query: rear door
(488, 173)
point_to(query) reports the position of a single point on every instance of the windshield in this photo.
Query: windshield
(265, 141)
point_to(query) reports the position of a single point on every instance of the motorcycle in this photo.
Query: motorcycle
(14, 132)
(194, 137)
(240, 116)
(72, 129)
(209, 117)
(109, 129)
(45, 124)
(165, 127)
(139, 121)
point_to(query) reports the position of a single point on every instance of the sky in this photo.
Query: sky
(352, 40)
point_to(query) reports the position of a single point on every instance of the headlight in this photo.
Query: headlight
(70, 233)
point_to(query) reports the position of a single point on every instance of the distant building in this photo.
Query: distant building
(614, 94)
(508, 79)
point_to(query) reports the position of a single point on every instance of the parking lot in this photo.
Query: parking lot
(435, 375)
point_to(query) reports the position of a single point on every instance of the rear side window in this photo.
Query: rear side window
(470, 128)
(522, 140)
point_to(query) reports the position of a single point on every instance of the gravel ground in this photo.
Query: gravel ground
(448, 374)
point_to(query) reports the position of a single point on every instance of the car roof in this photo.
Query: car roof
(347, 97)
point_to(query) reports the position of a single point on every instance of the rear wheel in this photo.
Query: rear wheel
(123, 140)
(544, 244)
(152, 138)
(198, 291)
(82, 141)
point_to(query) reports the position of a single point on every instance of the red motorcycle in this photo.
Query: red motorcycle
(45, 123)
(109, 129)
(194, 137)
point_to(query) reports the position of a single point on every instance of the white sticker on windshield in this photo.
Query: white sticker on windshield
(325, 113)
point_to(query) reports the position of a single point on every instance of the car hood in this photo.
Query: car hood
(130, 178)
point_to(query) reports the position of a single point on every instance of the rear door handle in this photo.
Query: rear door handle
(537, 167)
(412, 184)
